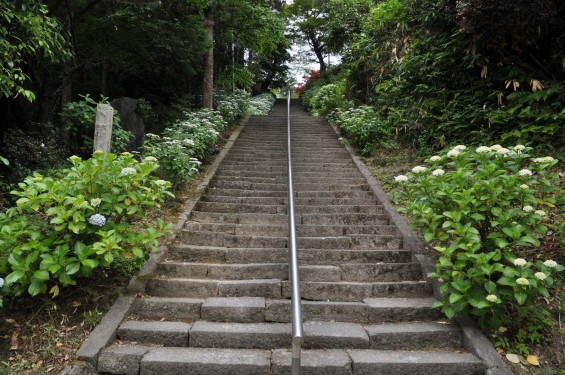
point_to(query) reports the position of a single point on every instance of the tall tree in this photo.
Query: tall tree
(208, 81)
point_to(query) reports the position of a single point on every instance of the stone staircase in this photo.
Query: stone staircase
(219, 302)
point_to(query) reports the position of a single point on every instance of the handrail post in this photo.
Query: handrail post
(294, 277)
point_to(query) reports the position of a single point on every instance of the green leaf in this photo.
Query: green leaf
(490, 287)
(501, 242)
(90, 263)
(36, 287)
(14, 276)
(454, 297)
(72, 268)
(449, 311)
(41, 274)
(520, 296)
(138, 252)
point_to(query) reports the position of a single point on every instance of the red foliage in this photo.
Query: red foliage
(300, 89)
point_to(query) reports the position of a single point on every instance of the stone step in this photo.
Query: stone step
(276, 288)
(283, 200)
(242, 218)
(356, 241)
(297, 179)
(260, 310)
(343, 219)
(282, 229)
(358, 291)
(302, 186)
(224, 207)
(223, 171)
(376, 310)
(211, 254)
(246, 193)
(325, 273)
(319, 335)
(298, 194)
(204, 334)
(387, 362)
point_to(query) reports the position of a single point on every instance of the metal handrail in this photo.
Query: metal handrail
(294, 277)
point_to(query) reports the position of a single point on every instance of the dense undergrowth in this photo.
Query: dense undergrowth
(63, 223)
(426, 76)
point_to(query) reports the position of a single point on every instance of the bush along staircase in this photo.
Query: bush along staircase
(218, 302)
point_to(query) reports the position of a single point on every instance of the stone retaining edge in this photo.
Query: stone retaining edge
(474, 340)
(105, 333)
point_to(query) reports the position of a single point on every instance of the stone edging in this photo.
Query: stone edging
(474, 340)
(105, 333)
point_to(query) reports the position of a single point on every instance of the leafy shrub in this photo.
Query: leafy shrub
(364, 127)
(63, 228)
(232, 106)
(484, 211)
(326, 99)
(32, 150)
(261, 104)
(79, 119)
(184, 144)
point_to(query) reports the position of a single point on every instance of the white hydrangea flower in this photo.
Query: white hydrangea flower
(97, 219)
(453, 153)
(150, 159)
(503, 151)
(540, 276)
(401, 178)
(524, 186)
(492, 298)
(546, 159)
(161, 182)
(128, 171)
(435, 158)
(525, 172)
(519, 262)
(495, 147)
(540, 212)
(550, 263)
(528, 208)
(1, 282)
(482, 149)
(95, 202)
(438, 172)
(460, 147)
(419, 169)
(519, 148)
(522, 281)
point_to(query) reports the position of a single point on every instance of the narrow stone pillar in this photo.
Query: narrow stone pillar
(103, 127)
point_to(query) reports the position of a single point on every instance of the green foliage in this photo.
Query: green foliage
(327, 99)
(261, 104)
(365, 128)
(485, 211)
(232, 106)
(79, 118)
(27, 31)
(33, 150)
(61, 229)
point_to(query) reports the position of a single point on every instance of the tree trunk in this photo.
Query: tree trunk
(208, 83)
(320, 55)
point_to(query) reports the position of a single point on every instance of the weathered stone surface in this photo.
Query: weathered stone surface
(130, 120)
(156, 308)
(241, 335)
(160, 333)
(280, 311)
(389, 362)
(313, 362)
(238, 309)
(250, 288)
(206, 361)
(401, 309)
(410, 336)
(123, 360)
(333, 335)
(103, 128)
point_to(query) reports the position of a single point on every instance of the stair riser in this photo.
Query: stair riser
(305, 256)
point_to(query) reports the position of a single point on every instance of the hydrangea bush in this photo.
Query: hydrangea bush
(364, 127)
(63, 228)
(261, 104)
(484, 210)
(232, 106)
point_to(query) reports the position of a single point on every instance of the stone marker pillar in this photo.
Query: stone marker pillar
(103, 127)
